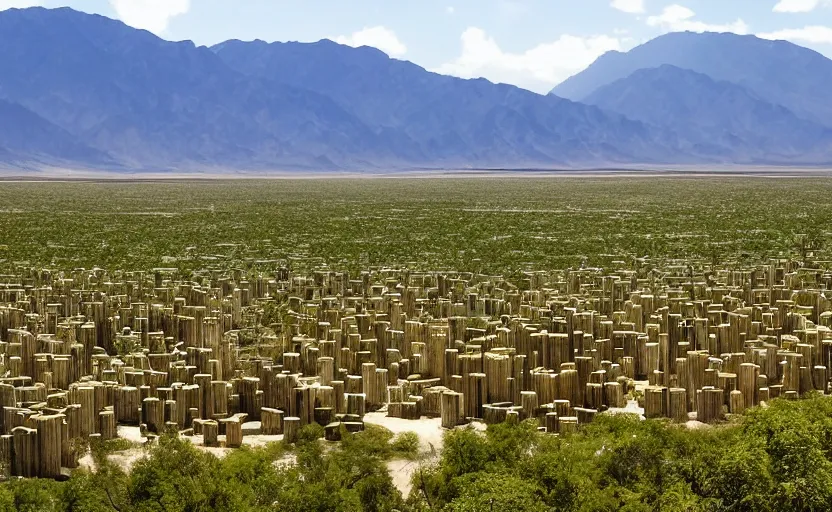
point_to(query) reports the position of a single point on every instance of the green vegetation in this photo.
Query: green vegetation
(176, 476)
(774, 458)
(488, 225)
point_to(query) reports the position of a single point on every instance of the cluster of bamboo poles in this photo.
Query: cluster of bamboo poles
(228, 352)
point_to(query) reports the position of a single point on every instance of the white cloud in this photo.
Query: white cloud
(538, 69)
(814, 34)
(630, 6)
(378, 37)
(17, 4)
(798, 5)
(677, 18)
(152, 15)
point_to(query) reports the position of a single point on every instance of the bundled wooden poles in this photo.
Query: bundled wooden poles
(291, 428)
(100, 349)
(451, 408)
(271, 421)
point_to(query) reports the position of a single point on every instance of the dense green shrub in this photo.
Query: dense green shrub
(479, 225)
(774, 458)
(777, 458)
(405, 445)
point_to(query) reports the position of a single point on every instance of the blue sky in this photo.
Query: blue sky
(530, 43)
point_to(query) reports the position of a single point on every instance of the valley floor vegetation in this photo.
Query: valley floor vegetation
(777, 457)
(495, 226)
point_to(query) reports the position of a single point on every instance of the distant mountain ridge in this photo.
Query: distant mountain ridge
(713, 117)
(22, 133)
(153, 104)
(81, 90)
(779, 72)
(441, 118)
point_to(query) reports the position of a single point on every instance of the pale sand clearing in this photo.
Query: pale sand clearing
(401, 471)
(429, 430)
(125, 459)
(430, 434)
(631, 408)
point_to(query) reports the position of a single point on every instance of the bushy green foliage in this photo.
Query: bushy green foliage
(405, 445)
(177, 476)
(479, 225)
(310, 433)
(771, 459)
(483, 491)
(349, 476)
(776, 458)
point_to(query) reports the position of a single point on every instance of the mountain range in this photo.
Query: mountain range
(85, 91)
(712, 117)
(777, 71)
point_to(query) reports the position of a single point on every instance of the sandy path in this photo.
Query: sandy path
(430, 434)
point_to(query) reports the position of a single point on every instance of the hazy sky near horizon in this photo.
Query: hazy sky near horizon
(534, 44)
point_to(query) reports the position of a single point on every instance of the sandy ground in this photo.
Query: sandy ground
(401, 471)
(631, 408)
(430, 434)
(429, 430)
(125, 459)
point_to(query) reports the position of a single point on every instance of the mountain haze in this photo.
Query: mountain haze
(447, 118)
(80, 90)
(779, 72)
(154, 104)
(22, 133)
(714, 117)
